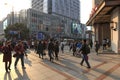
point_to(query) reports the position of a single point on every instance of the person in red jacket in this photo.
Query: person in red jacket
(19, 49)
(7, 55)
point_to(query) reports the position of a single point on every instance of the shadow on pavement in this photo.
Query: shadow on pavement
(27, 61)
(21, 76)
(7, 75)
(67, 66)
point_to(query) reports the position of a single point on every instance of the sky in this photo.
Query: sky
(6, 6)
(86, 7)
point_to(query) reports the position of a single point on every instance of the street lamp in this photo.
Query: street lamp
(12, 14)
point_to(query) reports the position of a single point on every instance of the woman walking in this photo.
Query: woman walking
(7, 55)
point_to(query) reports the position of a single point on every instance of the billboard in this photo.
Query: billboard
(76, 28)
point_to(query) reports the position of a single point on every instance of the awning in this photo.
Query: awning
(102, 14)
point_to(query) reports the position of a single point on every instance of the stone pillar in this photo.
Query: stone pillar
(118, 27)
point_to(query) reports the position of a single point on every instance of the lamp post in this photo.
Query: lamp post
(12, 14)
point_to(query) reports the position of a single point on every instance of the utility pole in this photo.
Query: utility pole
(11, 14)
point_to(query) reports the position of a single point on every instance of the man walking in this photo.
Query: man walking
(85, 54)
(51, 49)
(19, 49)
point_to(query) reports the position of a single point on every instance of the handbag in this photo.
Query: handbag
(15, 55)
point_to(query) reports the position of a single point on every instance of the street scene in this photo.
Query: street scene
(59, 39)
(103, 67)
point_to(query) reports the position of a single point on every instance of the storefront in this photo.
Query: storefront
(105, 21)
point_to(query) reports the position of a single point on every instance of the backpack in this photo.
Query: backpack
(87, 48)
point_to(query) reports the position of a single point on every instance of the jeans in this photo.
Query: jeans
(85, 58)
(50, 53)
(17, 59)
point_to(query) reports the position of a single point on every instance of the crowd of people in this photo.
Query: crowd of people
(19, 48)
(42, 48)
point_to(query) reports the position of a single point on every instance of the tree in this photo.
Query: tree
(18, 31)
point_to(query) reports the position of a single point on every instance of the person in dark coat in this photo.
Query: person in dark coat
(85, 54)
(91, 43)
(97, 46)
(62, 48)
(74, 49)
(25, 48)
(51, 49)
(7, 55)
(56, 48)
(40, 49)
(44, 47)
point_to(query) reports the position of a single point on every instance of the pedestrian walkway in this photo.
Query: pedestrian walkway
(103, 67)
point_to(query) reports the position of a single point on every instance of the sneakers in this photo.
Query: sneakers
(89, 67)
(81, 64)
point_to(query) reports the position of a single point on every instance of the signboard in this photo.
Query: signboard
(40, 36)
(76, 28)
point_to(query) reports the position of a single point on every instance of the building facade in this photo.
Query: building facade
(11, 19)
(1, 31)
(67, 8)
(41, 22)
(50, 24)
(105, 20)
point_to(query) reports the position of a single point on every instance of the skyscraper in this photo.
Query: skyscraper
(66, 8)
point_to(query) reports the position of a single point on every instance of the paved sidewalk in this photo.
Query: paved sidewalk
(103, 67)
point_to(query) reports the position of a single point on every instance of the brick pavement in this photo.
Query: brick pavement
(103, 67)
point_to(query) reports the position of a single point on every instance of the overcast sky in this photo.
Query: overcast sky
(17, 5)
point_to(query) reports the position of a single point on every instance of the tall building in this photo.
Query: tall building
(1, 31)
(67, 8)
(10, 19)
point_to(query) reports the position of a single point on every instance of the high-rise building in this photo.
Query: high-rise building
(67, 8)
(1, 31)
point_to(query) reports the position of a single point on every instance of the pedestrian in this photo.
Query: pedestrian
(84, 54)
(25, 48)
(97, 46)
(104, 44)
(40, 49)
(56, 48)
(62, 48)
(74, 48)
(51, 49)
(7, 55)
(70, 46)
(19, 49)
(91, 44)
(44, 47)
(33, 44)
